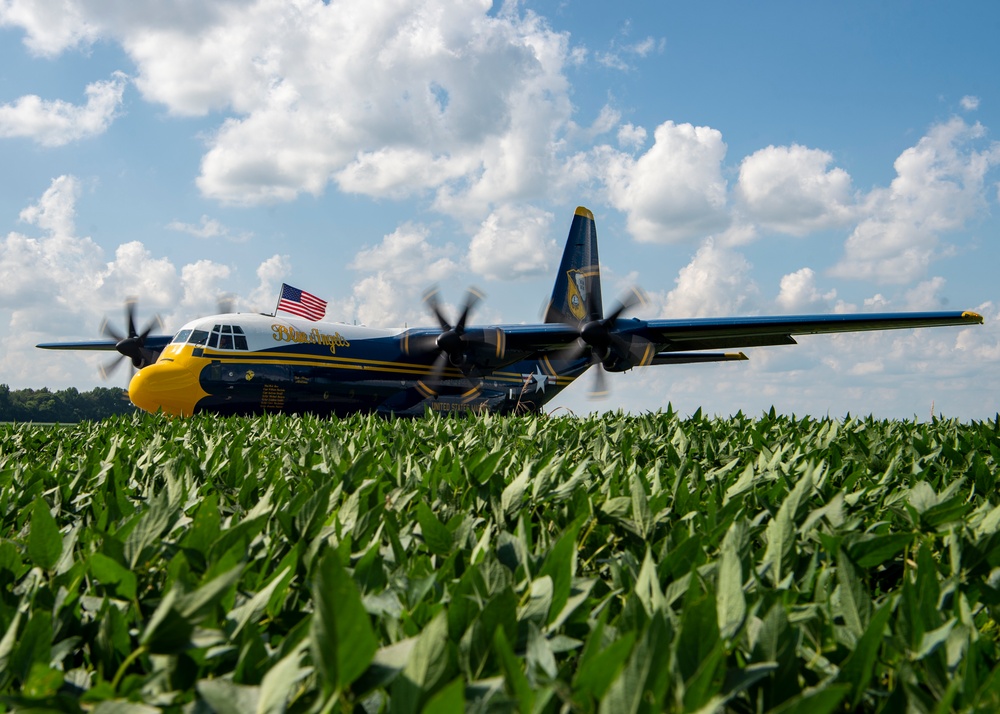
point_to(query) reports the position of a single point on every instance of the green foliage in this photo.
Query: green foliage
(533, 564)
(66, 406)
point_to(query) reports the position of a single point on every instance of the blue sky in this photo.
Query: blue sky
(740, 159)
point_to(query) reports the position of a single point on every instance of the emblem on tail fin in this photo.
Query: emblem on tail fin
(576, 294)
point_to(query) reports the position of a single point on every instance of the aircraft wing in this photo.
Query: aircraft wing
(153, 342)
(678, 341)
(734, 332)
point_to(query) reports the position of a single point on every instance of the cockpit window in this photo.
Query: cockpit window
(181, 337)
(198, 337)
(228, 337)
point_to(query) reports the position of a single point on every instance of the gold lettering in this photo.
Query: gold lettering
(282, 333)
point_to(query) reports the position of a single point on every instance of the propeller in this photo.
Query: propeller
(451, 344)
(608, 347)
(132, 344)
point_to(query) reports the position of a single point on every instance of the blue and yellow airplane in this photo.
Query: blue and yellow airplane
(237, 363)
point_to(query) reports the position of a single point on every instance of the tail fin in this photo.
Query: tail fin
(576, 297)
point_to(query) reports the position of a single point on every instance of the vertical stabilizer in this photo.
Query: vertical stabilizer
(576, 297)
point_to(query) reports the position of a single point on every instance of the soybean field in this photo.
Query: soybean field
(611, 563)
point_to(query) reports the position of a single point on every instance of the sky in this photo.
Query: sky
(740, 159)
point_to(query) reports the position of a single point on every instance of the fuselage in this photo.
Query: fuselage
(247, 363)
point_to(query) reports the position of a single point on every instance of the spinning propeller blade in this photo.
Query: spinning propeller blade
(131, 345)
(605, 343)
(451, 344)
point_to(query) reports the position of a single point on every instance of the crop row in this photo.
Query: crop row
(615, 564)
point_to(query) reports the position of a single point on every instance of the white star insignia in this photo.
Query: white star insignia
(539, 378)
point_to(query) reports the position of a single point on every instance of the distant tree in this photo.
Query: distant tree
(65, 406)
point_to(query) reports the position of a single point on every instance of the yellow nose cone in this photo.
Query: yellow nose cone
(166, 387)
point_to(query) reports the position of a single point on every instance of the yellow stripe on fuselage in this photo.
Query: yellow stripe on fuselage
(182, 355)
(331, 362)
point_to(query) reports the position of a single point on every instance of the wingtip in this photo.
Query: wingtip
(973, 316)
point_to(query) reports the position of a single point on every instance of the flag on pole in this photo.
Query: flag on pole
(299, 302)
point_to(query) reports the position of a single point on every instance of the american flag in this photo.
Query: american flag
(299, 302)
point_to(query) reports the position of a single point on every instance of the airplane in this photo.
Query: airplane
(239, 363)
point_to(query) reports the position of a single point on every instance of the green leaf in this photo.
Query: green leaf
(193, 605)
(436, 534)
(42, 681)
(122, 706)
(7, 644)
(205, 527)
(873, 550)
(858, 668)
(701, 656)
(44, 540)
(109, 572)
(822, 699)
(253, 609)
(596, 674)
(640, 506)
(934, 639)
(513, 674)
(34, 645)
(427, 668)
(510, 499)
(730, 601)
(647, 586)
(167, 631)
(778, 642)
(781, 529)
(560, 565)
(278, 685)
(226, 697)
(539, 601)
(486, 468)
(855, 602)
(645, 677)
(449, 700)
(150, 527)
(341, 638)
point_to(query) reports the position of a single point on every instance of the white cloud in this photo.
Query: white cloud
(58, 286)
(970, 103)
(387, 99)
(800, 294)
(271, 274)
(790, 189)
(631, 137)
(398, 269)
(514, 242)
(55, 212)
(56, 123)
(939, 187)
(926, 295)
(613, 59)
(647, 46)
(674, 191)
(51, 27)
(201, 285)
(981, 345)
(208, 228)
(715, 282)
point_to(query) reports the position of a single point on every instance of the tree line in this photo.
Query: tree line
(64, 406)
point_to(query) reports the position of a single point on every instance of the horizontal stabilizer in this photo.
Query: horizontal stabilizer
(696, 357)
